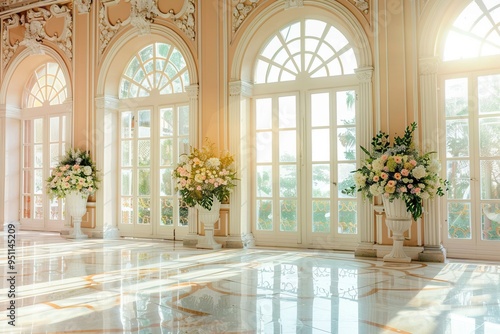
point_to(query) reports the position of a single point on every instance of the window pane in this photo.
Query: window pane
(126, 182)
(39, 184)
(127, 153)
(183, 121)
(490, 179)
(264, 181)
(144, 153)
(264, 215)
(346, 111)
(167, 212)
(144, 123)
(143, 210)
(458, 174)
(490, 226)
(459, 222)
(288, 181)
(127, 124)
(38, 130)
(54, 129)
(345, 178)
(321, 216)
(166, 122)
(264, 147)
(144, 185)
(346, 144)
(489, 93)
(288, 215)
(320, 109)
(38, 156)
(321, 181)
(264, 114)
(457, 138)
(166, 152)
(489, 137)
(127, 211)
(287, 112)
(183, 214)
(288, 146)
(456, 97)
(347, 217)
(320, 139)
(166, 186)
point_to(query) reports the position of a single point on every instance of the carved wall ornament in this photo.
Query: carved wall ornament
(83, 6)
(293, 3)
(8, 49)
(241, 10)
(142, 15)
(34, 22)
(362, 5)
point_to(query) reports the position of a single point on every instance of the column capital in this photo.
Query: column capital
(106, 102)
(240, 88)
(364, 74)
(193, 91)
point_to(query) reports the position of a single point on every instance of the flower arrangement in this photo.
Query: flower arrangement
(201, 175)
(399, 171)
(75, 172)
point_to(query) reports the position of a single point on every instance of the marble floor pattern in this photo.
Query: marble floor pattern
(153, 286)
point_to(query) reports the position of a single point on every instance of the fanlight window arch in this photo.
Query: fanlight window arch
(158, 66)
(310, 48)
(475, 32)
(47, 86)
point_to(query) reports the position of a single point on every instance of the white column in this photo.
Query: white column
(106, 143)
(10, 150)
(191, 239)
(433, 249)
(240, 146)
(364, 120)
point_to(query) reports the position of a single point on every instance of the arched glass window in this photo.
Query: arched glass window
(158, 67)
(475, 32)
(152, 135)
(45, 136)
(471, 117)
(309, 46)
(305, 137)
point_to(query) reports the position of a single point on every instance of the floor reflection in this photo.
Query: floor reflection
(143, 286)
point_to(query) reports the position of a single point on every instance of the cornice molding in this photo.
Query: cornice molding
(241, 10)
(83, 6)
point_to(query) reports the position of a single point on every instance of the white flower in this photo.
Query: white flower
(376, 190)
(419, 172)
(360, 179)
(377, 165)
(213, 163)
(87, 170)
(434, 167)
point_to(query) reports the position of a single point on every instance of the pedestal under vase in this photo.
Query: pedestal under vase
(76, 207)
(398, 219)
(208, 218)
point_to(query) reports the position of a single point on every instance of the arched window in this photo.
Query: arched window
(471, 117)
(46, 133)
(305, 137)
(152, 135)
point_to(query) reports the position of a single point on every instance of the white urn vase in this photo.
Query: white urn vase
(76, 207)
(398, 219)
(208, 218)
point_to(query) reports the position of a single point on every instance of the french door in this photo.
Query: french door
(472, 162)
(305, 150)
(151, 140)
(44, 142)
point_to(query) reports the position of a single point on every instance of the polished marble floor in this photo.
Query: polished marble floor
(145, 286)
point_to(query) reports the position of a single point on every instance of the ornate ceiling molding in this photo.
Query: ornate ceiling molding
(294, 3)
(142, 15)
(241, 9)
(34, 22)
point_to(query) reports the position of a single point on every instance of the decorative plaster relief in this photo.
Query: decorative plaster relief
(142, 15)
(83, 6)
(9, 49)
(293, 3)
(241, 10)
(34, 22)
(362, 5)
